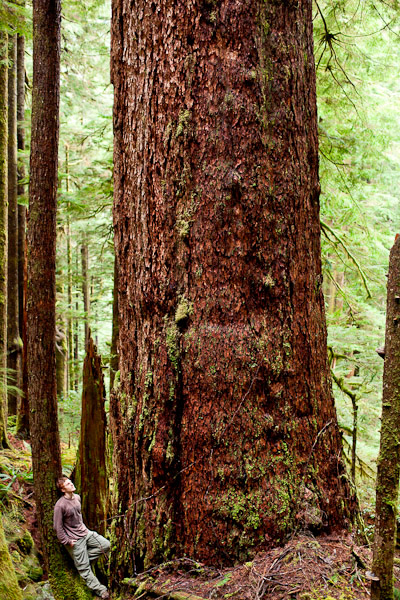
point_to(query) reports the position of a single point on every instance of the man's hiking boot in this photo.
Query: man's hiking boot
(105, 595)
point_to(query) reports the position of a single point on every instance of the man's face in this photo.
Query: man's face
(68, 487)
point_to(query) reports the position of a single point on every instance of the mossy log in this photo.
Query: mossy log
(160, 591)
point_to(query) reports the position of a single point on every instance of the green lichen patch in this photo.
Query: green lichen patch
(183, 120)
(183, 311)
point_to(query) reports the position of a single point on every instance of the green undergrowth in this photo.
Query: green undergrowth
(15, 508)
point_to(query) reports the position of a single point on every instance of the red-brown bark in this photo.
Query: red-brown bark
(224, 412)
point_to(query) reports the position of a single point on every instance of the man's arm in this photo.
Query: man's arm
(59, 526)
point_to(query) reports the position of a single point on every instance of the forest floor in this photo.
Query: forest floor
(307, 568)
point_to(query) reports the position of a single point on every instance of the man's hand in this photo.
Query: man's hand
(72, 543)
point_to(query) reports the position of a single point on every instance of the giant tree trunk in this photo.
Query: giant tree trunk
(41, 295)
(23, 415)
(387, 485)
(225, 413)
(13, 336)
(91, 476)
(9, 588)
(3, 235)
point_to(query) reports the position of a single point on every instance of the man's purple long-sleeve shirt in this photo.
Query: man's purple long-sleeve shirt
(68, 521)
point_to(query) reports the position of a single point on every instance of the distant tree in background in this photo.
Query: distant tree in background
(224, 414)
(13, 337)
(3, 234)
(23, 407)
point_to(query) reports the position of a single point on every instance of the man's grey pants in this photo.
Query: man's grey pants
(86, 550)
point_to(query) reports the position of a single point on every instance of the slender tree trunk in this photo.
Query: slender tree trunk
(3, 235)
(115, 330)
(76, 336)
(61, 360)
(9, 588)
(23, 414)
(41, 298)
(225, 411)
(69, 275)
(13, 337)
(91, 473)
(387, 484)
(85, 286)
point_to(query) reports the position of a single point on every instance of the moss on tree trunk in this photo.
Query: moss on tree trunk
(9, 588)
(387, 484)
(3, 234)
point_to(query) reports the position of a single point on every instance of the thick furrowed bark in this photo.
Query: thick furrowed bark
(225, 413)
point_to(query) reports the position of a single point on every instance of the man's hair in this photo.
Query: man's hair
(60, 482)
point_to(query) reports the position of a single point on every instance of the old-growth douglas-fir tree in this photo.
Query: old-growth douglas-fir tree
(224, 421)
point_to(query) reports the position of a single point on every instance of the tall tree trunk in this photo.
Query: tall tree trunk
(41, 297)
(69, 276)
(225, 412)
(61, 360)
(387, 485)
(76, 337)
(91, 473)
(85, 286)
(115, 330)
(3, 235)
(23, 414)
(13, 336)
(9, 588)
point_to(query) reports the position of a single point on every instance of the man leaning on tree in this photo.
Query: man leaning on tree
(84, 546)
